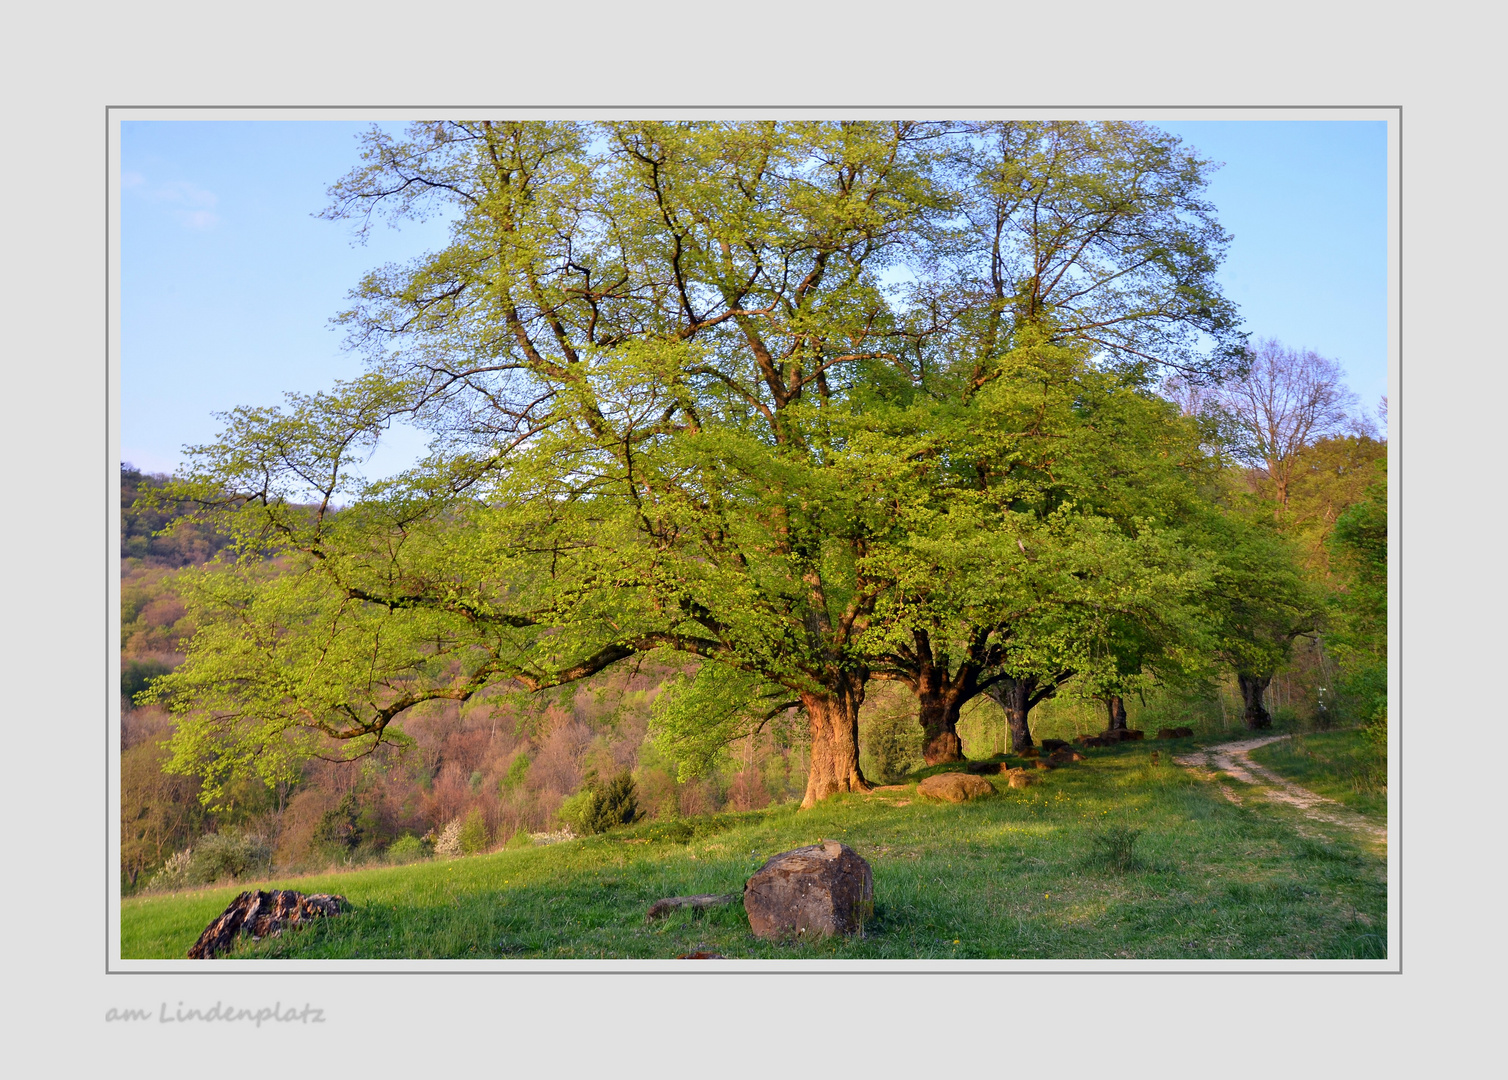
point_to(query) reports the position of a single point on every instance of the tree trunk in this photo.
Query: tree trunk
(937, 709)
(1254, 712)
(1015, 697)
(1117, 709)
(834, 719)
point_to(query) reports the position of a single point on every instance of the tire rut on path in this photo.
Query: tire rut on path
(1234, 759)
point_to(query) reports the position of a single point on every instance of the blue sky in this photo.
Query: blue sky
(228, 281)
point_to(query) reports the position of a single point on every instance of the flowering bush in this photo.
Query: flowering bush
(215, 857)
(448, 843)
(175, 872)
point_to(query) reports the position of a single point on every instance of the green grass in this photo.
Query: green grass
(1034, 873)
(1340, 765)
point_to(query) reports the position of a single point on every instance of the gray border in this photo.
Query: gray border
(1395, 902)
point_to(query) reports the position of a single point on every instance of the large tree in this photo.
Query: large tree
(1081, 268)
(1053, 542)
(642, 335)
(648, 360)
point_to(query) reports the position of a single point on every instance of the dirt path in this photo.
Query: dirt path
(1234, 759)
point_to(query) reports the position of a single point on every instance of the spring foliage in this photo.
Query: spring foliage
(776, 396)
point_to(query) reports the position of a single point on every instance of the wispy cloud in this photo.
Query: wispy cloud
(198, 219)
(190, 205)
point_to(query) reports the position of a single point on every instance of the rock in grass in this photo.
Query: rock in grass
(1051, 745)
(1174, 732)
(1020, 778)
(661, 908)
(818, 891)
(260, 914)
(955, 787)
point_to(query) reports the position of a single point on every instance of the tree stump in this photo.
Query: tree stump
(260, 914)
(818, 891)
(955, 787)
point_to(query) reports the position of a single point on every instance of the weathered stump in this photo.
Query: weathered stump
(818, 891)
(260, 914)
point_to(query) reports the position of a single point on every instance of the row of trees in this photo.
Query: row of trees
(805, 404)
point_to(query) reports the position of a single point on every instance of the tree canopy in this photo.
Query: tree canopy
(792, 398)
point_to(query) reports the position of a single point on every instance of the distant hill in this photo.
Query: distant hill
(188, 544)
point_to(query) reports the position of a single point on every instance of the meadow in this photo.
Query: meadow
(1123, 856)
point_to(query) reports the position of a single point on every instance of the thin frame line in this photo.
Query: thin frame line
(1395, 831)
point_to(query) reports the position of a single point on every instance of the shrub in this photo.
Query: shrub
(406, 849)
(598, 808)
(214, 857)
(472, 838)
(174, 873)
(448, 843)
(229, 855)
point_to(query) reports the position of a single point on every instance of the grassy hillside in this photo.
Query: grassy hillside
(1025, 873)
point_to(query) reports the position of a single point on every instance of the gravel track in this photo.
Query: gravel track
(1234, 760)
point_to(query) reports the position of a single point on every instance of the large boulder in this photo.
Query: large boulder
(262, 913)
(955, 786)
(818, 891)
